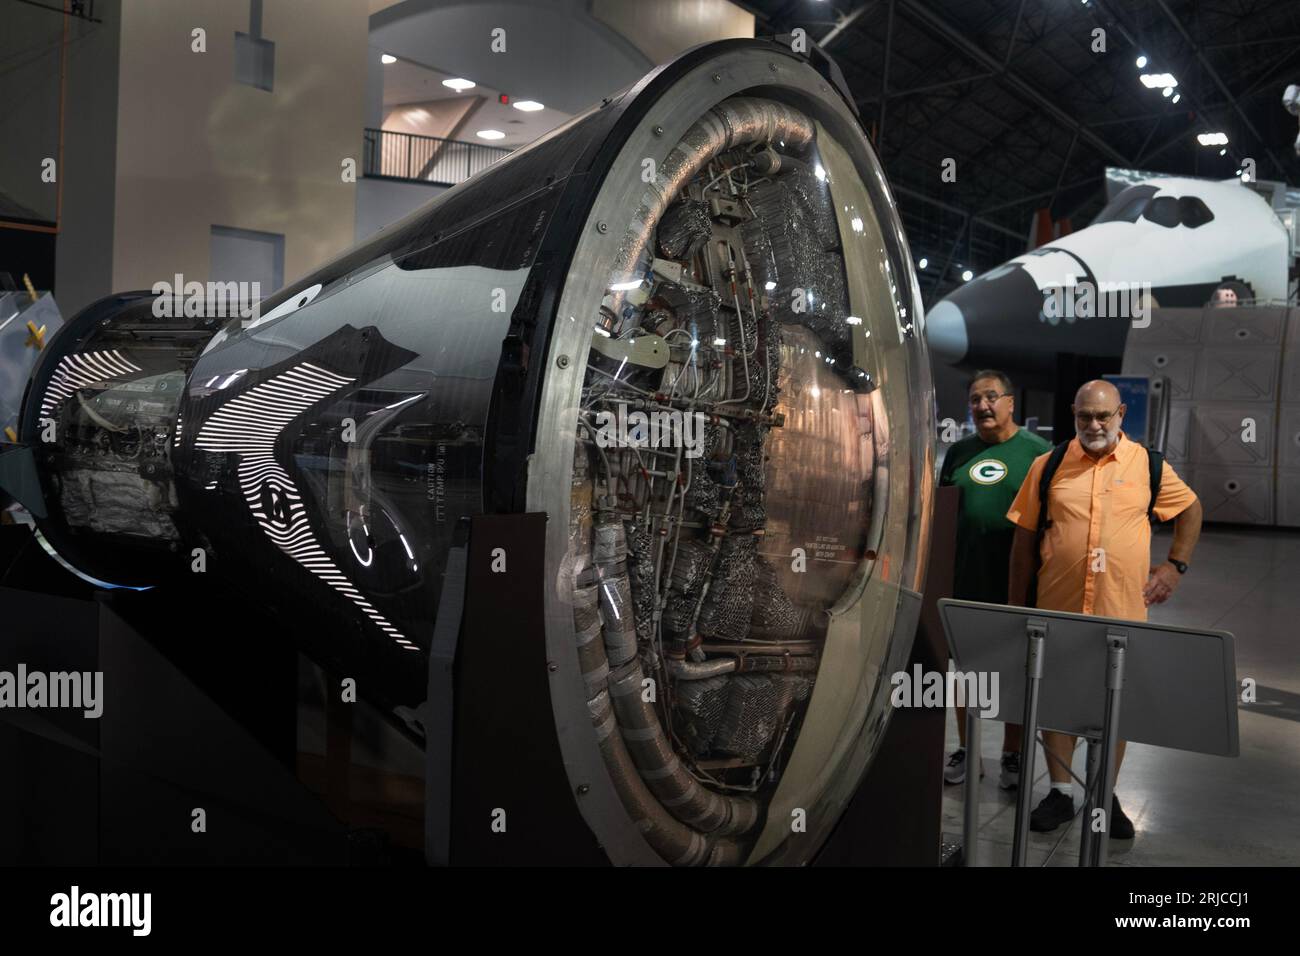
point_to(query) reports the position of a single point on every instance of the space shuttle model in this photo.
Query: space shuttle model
(714, 246)
(1161, 242)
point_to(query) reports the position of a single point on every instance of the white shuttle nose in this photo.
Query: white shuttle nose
(945, 332)
(997, 320)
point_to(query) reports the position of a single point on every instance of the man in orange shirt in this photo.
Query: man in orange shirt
(1096, 551)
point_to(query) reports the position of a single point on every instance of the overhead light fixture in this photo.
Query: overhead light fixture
(1223, 152)
(1156, 81)
(769, 285)
(387, 58)
(1141, 62)
(923, 263)
(1212, 139)
(458, 84)
(528, 106)
(1168, 91)
(491, 134)
(967, 275)
(1177, 97)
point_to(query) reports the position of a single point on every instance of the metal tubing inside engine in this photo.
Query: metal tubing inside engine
(674, 841)
(690, 670)
(592, 660)
(733, 122)
(663, 772)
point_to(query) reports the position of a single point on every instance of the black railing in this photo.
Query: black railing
(428, 159)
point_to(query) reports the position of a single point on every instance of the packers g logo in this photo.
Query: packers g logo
(988, 472)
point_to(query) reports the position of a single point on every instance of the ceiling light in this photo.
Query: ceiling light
(923, 263)
(1155, 81)
(491, 134)
(387, 58)
(528, 106)
(1223, 152)
(967, 275)
(1168, 91)
(769, 285)
(458, 84)
(1177, 97)
(1141, 62)
(1212, 139)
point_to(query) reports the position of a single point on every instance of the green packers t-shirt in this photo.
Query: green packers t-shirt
(989, 477)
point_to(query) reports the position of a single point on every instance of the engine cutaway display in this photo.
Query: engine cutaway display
(684, 327)
(732, 511)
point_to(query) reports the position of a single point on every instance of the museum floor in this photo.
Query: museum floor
(1191, 809)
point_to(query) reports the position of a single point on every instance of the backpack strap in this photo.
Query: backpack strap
(1050, 467)
(1156, 463)
(1045, 486)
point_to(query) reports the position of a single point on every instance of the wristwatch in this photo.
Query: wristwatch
(1180, 565)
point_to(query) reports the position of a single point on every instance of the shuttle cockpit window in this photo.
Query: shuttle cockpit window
(1163, 211)
(1127, 205)
(1192, 212)
(1169, 212)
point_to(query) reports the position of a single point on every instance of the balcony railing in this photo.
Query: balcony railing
(427, 159)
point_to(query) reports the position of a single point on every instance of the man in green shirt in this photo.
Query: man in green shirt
(989, 468)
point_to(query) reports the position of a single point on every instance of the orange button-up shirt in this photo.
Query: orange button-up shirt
(1096, 555)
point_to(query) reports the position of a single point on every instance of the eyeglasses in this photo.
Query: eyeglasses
(990, 397)
(1101, 418)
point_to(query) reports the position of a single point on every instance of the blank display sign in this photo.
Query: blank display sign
(1180, 686)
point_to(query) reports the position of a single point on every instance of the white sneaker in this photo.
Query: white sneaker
(955, 771)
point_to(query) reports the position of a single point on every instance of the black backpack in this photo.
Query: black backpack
(1155, 463)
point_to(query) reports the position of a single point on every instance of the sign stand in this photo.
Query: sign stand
(1035, 631)
(1183, 694)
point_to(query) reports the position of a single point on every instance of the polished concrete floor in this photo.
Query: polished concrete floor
(1190, 809)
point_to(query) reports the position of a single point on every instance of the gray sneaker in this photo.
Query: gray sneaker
(955, 771)
(1009, 779)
